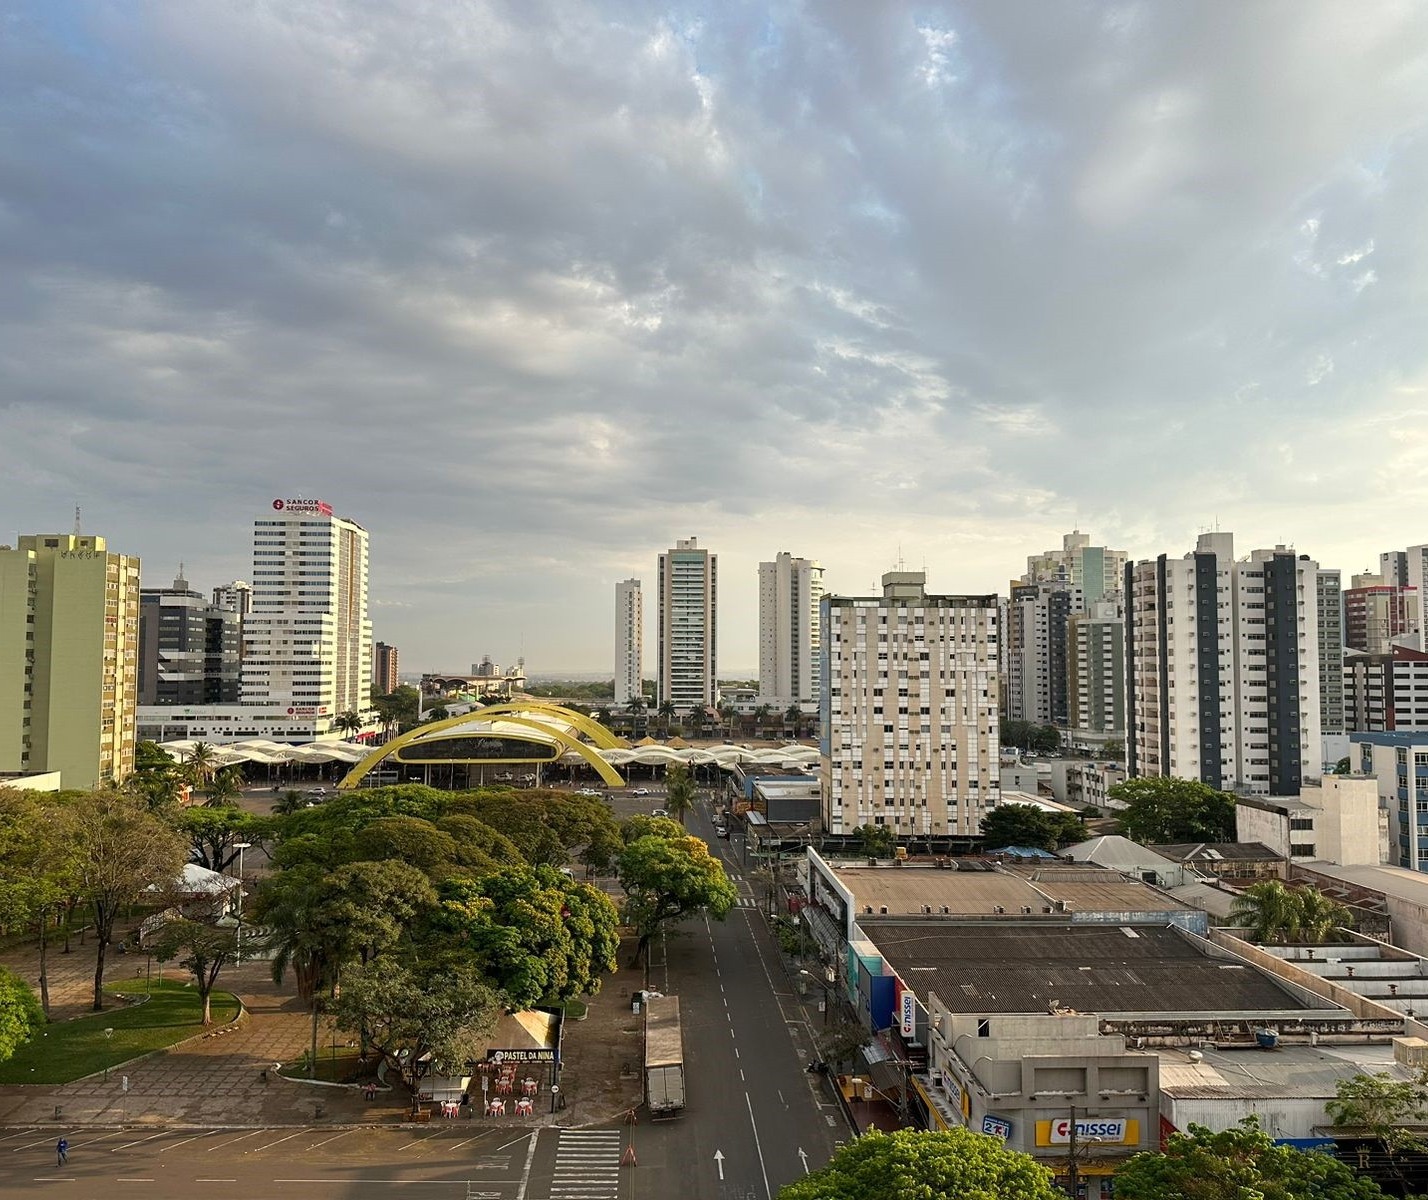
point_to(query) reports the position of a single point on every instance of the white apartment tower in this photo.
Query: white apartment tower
(1037, 628)
(909, 710)
(1223, 665)
(790, 597)
(307, 638)
(1330, 594)
(1095, 673)
(688, 614)
(1096, 570)
(629, 641)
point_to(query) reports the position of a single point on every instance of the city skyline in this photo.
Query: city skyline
(531, 293)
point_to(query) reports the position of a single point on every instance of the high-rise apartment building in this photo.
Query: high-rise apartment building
(384, 669)
(236, 596)
(1096, 675)
(1378, 613)
(188, 647)
(909, 710)
(1038, 617)
(69, 659)
(1096, 570)
(1330, 602)
(308, 638)
(1393, 566)
(629, 641)
(790, 598)
(1386, 692)
(688, 616)
(1223, 664)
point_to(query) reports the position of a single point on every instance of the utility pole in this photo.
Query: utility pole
(1072, 1175)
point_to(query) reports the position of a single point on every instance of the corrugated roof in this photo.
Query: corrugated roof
(1015, 968)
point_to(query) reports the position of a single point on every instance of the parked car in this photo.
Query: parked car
(659, 812)
(639, 791)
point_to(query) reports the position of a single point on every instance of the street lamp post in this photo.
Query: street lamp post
(240, 847)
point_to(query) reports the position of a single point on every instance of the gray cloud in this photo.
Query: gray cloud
(531, 289)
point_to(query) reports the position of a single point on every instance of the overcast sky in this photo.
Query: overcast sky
(532, 289)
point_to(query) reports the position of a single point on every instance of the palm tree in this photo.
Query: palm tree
(793, 716)
(636, 709)
(761, 716)
(667, 712)
(1269, 911)
(349, 722)
(679, 787)
(603, 716)
(729, 713)
(1320, 916)
(226, 787)
(201, 764)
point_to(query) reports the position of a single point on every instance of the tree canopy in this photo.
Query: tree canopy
(912, 1165)
(668, 878)
(1027, 825)
(1165, 810)
(1034, 738)
(20, 1013)
(1272, 912)
(537, 936)
(1238, 1164)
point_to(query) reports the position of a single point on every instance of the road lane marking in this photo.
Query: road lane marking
(123, 1179)
(526, 1173)
(215, 1181)
(235, 1141)
(768, 1191)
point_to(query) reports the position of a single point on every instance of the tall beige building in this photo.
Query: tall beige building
(790, 596)
(909, 710)
(688, 624)
(69, 659)
(629, 642)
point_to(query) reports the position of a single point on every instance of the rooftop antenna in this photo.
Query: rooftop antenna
(76, 520)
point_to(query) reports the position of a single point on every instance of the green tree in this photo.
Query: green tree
(1238, 1164)
(201, 764)
(123, 849)
(875, 841)
(157, 777)
(406, 1012)
(537, 936)
(667, 879)
(1115, 750)
(350, 723)
(1343, 766)
(214, 833)
(1268, 911)
(39, 869)
(667, 713)
(842, 1042)
(225, 787)
(1378, 1106)
(20, 1013)
(679, 793)
(1320, 916)
(1161, 809)
(203, 951)
(410, 840)
(289, 802)
(910, 1163)
(1027, 825)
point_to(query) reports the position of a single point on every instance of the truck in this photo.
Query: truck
(664, 1057)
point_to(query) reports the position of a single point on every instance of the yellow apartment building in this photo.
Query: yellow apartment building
(69, 659)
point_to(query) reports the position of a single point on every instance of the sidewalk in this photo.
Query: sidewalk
(216, 1078)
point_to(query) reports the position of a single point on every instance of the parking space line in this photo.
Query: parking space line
(279, 1142)
(136, 1141)
(27, 1145)
(418, 1142)
(235, 1141)
(21, 1133)
(185, 1142)
(100, 1138)
(333, 1138)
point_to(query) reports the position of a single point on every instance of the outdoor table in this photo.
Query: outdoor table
(449, 1109)
(503, 1087)
(497, 1108)
(524, 1107)
(530, 1087)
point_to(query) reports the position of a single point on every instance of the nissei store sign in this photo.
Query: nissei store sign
(909, 1014)
(1088, 1129)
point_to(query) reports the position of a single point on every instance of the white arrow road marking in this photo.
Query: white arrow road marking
(719, 1158)
(803, 1156)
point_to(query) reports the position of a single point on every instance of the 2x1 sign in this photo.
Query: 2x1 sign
(997, 1127)
(909, 1014)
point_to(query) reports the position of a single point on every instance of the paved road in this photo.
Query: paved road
(746, 1047)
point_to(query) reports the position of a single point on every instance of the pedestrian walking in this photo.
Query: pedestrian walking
(61, 1152)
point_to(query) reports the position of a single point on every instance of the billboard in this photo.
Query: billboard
(313, 507)
(907, 1012)
(1115, 1130)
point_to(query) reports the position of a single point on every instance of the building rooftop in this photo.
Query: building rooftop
(1398, 882)
(1218, 851)
(978, 888)
(1107, 970)
(1289, 1072)
(1118, 853)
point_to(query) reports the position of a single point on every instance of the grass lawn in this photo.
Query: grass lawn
(68, 1050)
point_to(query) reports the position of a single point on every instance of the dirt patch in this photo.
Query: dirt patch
(602, 1054)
